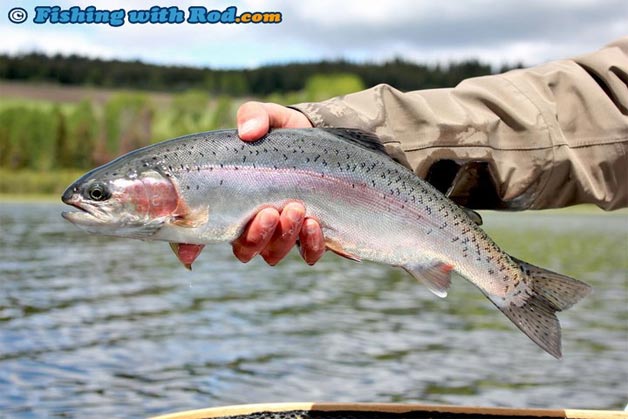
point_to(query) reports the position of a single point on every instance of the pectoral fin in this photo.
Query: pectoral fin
(436, 276)
(187, 253)
(186, 218)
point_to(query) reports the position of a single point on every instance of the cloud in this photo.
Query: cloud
(425, 31)
(529, 31)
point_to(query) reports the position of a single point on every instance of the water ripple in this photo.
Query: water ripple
(116, 328)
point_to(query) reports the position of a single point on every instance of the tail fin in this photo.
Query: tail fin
(536, 317)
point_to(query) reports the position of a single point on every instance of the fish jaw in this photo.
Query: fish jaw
(102, 224)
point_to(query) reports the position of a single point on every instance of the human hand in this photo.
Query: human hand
(272, 233)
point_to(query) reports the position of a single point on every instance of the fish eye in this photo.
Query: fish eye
(98, 192)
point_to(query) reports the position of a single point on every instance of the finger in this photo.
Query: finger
(312, 241)
(286, 233)
(256, 235)
(253, 121)
(282, 117)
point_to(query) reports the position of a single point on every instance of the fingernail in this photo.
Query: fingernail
(294, 215)
(267, 219)
(310, 227)
(249, 126)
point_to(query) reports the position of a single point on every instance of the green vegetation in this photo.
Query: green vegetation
(263, 81)
(14, 183)
(45, 144)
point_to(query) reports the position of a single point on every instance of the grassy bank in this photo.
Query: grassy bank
(26, 183)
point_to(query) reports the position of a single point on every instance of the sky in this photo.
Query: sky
(425, 31)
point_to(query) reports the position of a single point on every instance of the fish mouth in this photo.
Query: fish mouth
(82, 217)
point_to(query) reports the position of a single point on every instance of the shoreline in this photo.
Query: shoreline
(15, 198)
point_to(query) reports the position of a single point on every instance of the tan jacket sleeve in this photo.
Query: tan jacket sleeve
(544, 137)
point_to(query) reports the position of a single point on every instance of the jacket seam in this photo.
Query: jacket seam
(546, 180)
(552, 147)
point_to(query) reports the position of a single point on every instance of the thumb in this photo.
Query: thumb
(253, 121)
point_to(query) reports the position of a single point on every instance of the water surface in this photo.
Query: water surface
(93, 326)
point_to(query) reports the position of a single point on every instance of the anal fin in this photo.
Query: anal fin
(436, 276)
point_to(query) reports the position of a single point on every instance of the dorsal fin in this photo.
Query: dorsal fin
(359, 137)
(475, 216)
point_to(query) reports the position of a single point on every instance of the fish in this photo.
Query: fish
(206, 187)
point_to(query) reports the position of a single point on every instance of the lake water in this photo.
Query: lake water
(99, 327)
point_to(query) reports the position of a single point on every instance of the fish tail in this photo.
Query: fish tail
(535, 313)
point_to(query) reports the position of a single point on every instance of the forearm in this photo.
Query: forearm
(548, 136)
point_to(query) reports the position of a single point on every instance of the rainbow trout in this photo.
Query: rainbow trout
(206, 187)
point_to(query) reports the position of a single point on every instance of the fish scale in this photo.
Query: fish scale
(206, 187)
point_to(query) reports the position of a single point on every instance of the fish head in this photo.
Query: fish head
(132, 204)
